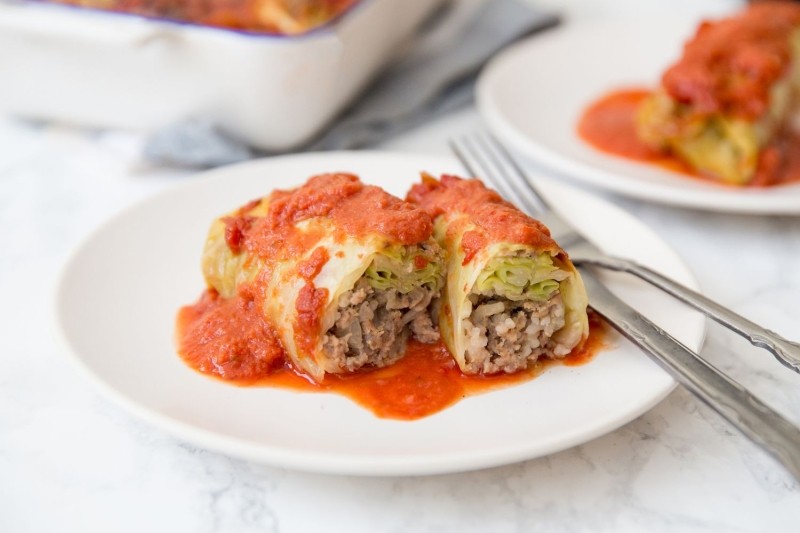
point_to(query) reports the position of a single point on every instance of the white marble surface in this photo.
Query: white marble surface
(72, 461)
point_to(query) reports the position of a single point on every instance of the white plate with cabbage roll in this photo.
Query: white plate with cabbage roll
(119, 293)
(532, 97)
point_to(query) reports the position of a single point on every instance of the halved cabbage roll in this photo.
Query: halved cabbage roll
(511, 294)
(345, 273)
(722, 105)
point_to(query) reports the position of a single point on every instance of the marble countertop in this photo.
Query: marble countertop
(72, 461)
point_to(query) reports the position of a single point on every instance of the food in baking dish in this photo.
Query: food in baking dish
(271, 16)
(512, 295)
(721, 107)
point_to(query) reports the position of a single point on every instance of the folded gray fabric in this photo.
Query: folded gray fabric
(435, 77)
(195, 143)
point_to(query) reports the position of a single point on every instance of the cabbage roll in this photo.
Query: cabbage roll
(722, 105)
(345, 272)
(511, 294)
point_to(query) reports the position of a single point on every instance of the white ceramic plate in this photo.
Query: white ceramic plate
(533, 94)
(118, 295)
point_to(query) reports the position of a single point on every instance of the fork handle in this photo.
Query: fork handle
(745, 412)
(785, 351)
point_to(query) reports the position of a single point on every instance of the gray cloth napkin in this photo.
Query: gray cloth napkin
(435, 77)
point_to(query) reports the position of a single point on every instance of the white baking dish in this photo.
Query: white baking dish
(102, 69)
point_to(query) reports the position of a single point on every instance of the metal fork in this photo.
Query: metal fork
(483, 156)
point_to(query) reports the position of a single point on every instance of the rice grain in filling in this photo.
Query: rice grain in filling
(506, 336)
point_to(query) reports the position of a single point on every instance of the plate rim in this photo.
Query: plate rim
(707, 197)
(398, 465)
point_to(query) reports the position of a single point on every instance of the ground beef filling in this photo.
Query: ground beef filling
(373, 326)
(506, 336)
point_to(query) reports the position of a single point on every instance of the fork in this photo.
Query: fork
(484, 157)
(482, 152)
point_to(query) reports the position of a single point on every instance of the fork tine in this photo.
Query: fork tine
(472, 158)
(477, 156)
(492, 173)
(514, 173)
(486, 158)
(464, 154)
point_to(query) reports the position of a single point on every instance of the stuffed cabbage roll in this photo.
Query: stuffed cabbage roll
(722, 105)
(511, 294)
(345, 272)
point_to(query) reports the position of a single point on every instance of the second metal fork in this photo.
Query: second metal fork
(486, 158)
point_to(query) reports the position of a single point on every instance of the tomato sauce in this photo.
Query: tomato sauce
(310, 301)
(472, 242)
(730, 65)
(356, 208)
(609, 124)
(229, 339)
(350, 207)
(495, 219)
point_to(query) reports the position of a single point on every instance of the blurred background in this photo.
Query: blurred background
(204, 83)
